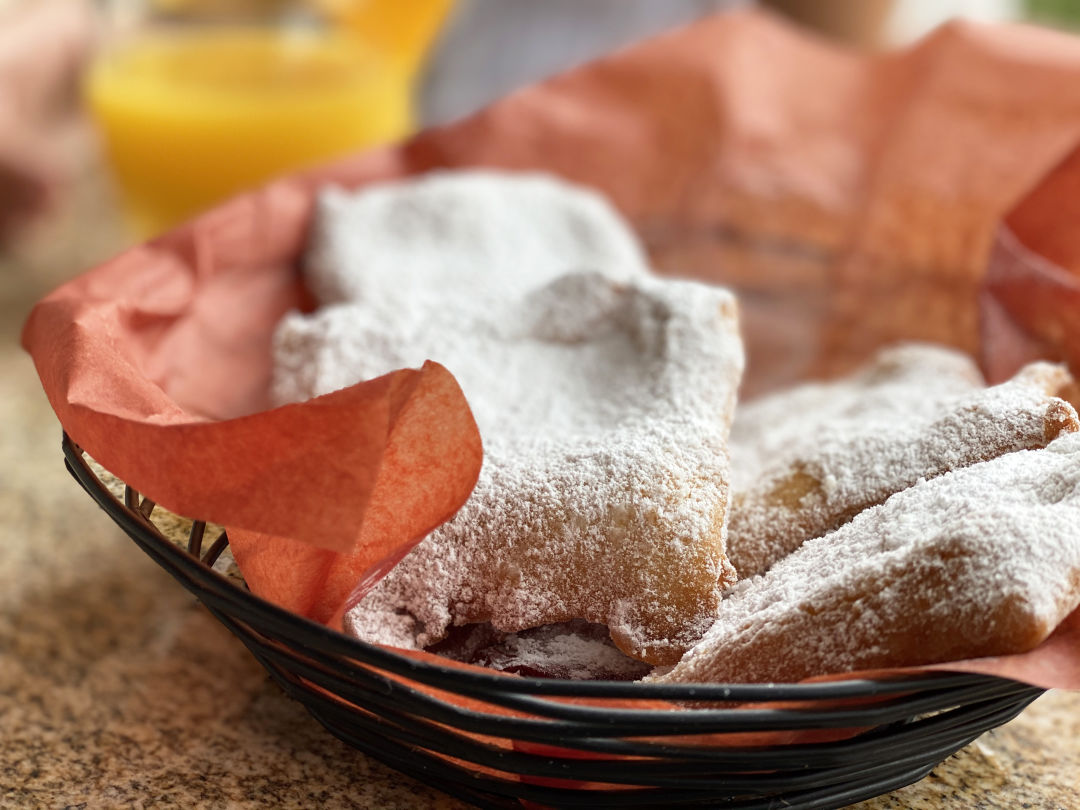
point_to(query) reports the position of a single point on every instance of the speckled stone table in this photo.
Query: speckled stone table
(117, 689)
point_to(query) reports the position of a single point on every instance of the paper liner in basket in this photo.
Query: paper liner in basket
(139, 356)
(849, 199)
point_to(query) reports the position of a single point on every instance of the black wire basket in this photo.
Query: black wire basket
(506, 742)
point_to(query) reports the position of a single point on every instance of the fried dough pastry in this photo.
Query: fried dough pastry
(605, 413)
(808, 460)
(604, 400)
(981, 561)
(603, 492)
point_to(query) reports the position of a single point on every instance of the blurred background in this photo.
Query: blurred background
(121, 118)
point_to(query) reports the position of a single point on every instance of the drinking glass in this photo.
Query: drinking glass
(197, 100)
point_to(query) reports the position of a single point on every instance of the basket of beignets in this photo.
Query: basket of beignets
(696, 427)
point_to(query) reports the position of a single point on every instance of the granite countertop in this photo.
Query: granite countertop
(118, 689)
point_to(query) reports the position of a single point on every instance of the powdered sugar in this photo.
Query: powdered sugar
(908, 380)
(493, 237)
(981, 561)
(603, 397)
(807, 460)
(416, 270)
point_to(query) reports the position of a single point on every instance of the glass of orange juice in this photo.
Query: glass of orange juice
(197, 100)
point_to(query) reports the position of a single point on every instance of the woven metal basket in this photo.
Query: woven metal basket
(501, 741)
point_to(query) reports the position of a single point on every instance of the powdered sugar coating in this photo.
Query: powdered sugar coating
(436, 248)
(807, 460)
(766, 428)
(494, 235)
(591, 502)
(981, 561)
(604, 400)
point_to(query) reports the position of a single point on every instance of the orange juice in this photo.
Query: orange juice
(402, 29)
(191, 117)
